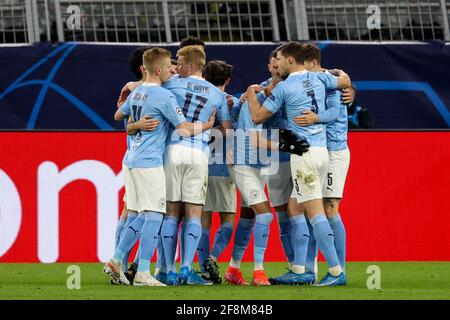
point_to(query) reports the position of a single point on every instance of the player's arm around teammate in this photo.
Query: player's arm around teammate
(335, 118)
(187, 161)
(135, 63)
(221, 191)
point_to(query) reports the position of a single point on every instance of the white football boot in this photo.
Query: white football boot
(114, 269)
(146, 279)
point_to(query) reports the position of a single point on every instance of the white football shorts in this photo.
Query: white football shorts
(337, 173)
(250, 183)
(145, 189)
(186, 174)
(221, 195)
(308, 174)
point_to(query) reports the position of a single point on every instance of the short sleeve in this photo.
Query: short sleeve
(125, 108)
(330, 82)
(333, 105)
(274, 102)
(173, 113)
(223, 114)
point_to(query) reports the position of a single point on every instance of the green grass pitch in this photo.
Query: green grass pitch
(405, 280)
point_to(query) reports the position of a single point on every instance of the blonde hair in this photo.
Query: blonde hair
(152, 58)
(193, 54)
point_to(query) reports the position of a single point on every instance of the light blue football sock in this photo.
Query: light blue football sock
(312, 251)
(119, 227)
(299, 239)
(203, 247)
(169, 234)
(191, 239)
(130, 218)
(241, 239)
(182, 235)
(261, 236)
(129, 237)
(339, 238)
(149, 239)
(161, 260)
(221, 239)
(325, 238)
(285, 235)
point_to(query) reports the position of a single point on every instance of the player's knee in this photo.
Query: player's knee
(262, 207)
(331, 207)
(227, 218)
(294, 208)
(124, 213)
(206, 220)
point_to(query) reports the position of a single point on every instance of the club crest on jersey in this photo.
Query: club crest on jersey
(179, 111)
(162, 202)
(254, 194)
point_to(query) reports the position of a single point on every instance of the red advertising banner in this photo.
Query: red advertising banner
(60, 197)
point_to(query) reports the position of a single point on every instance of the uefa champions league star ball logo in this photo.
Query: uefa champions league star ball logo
(254, 194)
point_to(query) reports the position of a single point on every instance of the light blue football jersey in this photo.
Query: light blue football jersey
(218, 166)
(129, 137)
(147, 148)
(301, 91)
(244, 152)
(197, 98)
(338, 128)
(277, 121)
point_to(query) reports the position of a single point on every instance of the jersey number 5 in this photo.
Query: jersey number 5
(187, 103)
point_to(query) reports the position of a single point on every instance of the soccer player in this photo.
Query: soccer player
(221, 192)
(146, 123)
(143, 165)
(246, 173)
(136, 68)
(279, 183)
(188, 41)
(302, 90)
(335, 118)
(186, 162)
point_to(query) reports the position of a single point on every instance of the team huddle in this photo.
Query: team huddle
(190, 146)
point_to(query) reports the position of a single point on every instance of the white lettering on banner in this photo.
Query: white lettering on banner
(10, 212)
(51, 181)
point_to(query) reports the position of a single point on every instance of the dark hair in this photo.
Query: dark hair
(135, 61)
(217, 72)
(293, 49)
(273, 54)
(311, 52)
(192, 41)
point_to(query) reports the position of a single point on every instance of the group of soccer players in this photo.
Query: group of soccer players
(190, 144)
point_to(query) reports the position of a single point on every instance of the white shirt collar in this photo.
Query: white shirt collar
(197, 77)
(298, 72)
(150, 84)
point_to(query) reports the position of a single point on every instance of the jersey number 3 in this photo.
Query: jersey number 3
(315, 106)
